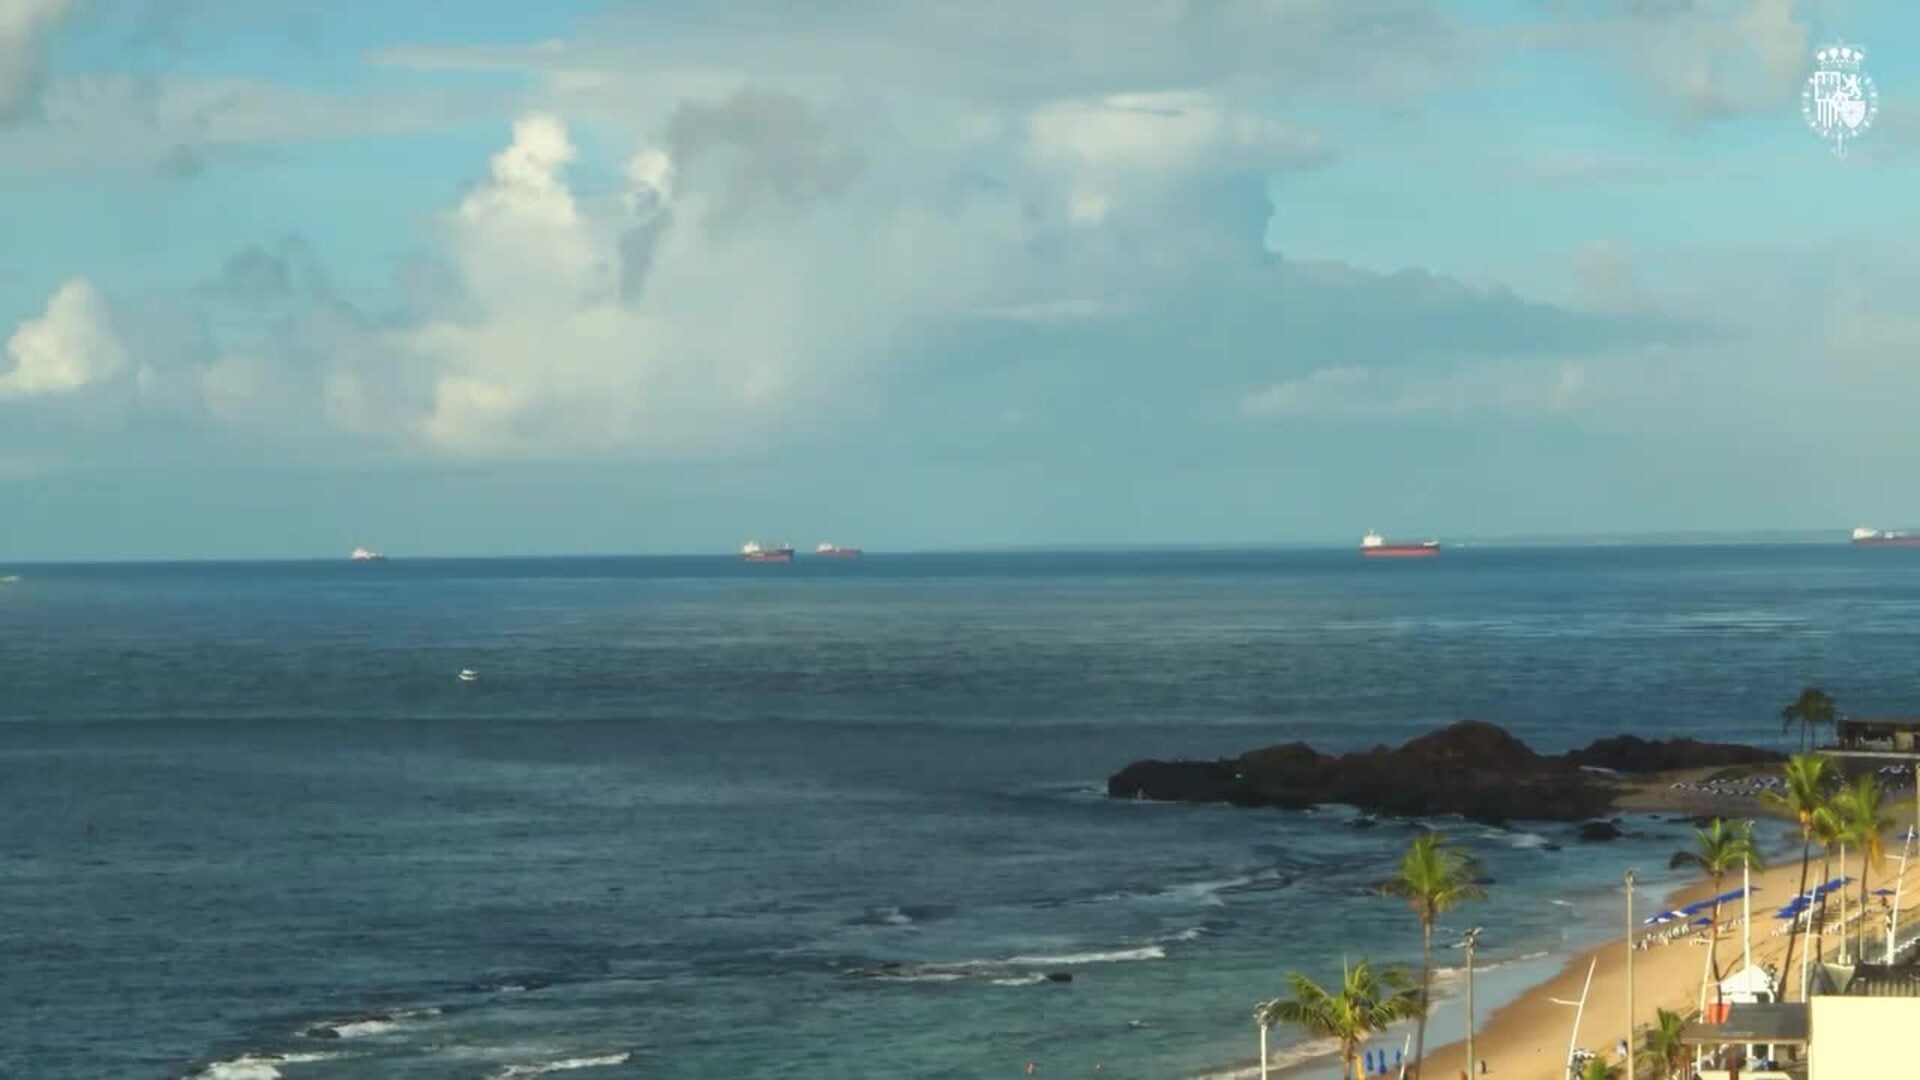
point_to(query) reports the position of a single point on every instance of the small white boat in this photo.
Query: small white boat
(467, 674)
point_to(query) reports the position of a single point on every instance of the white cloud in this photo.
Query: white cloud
(25, 27)
(1702, 60)
(1109, 145)
(69, 348)
(1004, 52)
(175, 123)
(671, 324)
(1523, 388)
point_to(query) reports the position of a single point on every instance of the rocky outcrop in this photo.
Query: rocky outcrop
(1632, 754)
(1473, 769)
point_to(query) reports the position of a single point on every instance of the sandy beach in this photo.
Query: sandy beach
(1526, 1038)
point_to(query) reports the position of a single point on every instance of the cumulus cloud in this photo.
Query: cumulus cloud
(25, 27)
(726, 293)
(1701, 60)
(68, 348)
(1105, 146)
(680, 260)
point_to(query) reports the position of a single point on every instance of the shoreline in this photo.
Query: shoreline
(1522, 1035)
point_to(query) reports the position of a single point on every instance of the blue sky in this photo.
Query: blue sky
(471, 278)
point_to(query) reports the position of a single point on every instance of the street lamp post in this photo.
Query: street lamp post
(1630, 1040)
(1471, 936)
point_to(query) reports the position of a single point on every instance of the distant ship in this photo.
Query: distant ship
(1374, 547)
(361, 554)
(1875, 538)
(835, 551)
(752, 551)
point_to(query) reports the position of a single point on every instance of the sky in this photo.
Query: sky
(470, 277)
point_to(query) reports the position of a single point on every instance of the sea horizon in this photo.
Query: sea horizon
(1542, 541)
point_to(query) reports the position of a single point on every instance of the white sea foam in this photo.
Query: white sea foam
(256, 1066)
(515, 1072)
(359, 1029)
(1282, 1058)
(1117, 956)
(1022, 980)
(1209, 893)
(365, 1026)
(922, 975)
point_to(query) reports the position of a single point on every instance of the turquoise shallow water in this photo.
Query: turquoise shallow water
(826, 820)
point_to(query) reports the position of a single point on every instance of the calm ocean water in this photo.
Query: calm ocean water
(702, 819)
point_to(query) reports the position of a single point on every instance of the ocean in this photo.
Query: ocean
(697, 818)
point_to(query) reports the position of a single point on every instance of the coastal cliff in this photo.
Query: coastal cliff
(1474, 769)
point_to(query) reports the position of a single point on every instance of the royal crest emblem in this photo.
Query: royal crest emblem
(1839, 100)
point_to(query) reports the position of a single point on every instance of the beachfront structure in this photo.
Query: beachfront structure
(1890, 737)
(1859, 1023)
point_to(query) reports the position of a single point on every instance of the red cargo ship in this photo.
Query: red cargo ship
(1876, 538)
(1373, 546)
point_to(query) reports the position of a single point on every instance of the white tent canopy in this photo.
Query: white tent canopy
(1748, 985)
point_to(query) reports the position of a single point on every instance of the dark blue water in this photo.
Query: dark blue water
(698, 818)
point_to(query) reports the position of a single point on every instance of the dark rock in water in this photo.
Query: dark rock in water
(1365, 822)
(1632, 754)
(1549, 846)
(1060, 976)
(1472, 769)
(1174, 781)
(322, 1032)
(1593, 831)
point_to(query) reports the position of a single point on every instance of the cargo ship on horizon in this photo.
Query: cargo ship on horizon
(835, 551)
(1374, 546)
(361, 554)
(1865, 537)
(753, 551)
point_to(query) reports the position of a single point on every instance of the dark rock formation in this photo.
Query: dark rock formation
(1595, 831)
(1632, 754)
(1473, 769)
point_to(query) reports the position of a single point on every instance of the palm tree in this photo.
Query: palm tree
(1807, 778)
(1434, 876)
(1862, 809)
(1663, 1042)
(1365, 1004)
(1719, 851)
(1812, 709)
(1599, 1068)
(1830, 833)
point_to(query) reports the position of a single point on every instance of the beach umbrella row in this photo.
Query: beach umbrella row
(1799, 904)
(1692, 909)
